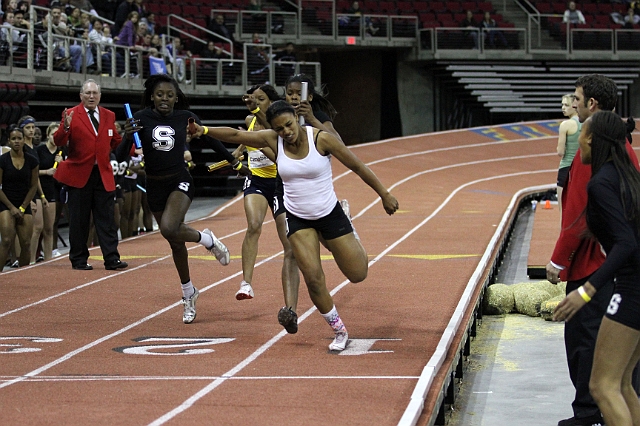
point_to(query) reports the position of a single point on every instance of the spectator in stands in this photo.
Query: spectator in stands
(19, 38)
(18, 180)
(151, 23)
(53, 21)
(84, 5)
(138, 6)
(286, 70)
(258, 62)
(631, 19)
(212, 51)
(141, 31)
(156, 43)
(354, 21)
(176, 54)
(572, 15)
(24, 7)
(489, 26)
(219, 27)
(208, 69)
(73, 18)
(472, 26)
(11, 6)
(128, 37)
(100, 42)
(107, 8)
(122, 14)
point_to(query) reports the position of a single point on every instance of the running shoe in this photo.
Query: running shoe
(288, 319)
(340, 342)
(245, 292)
(189, 313)
(218, 249)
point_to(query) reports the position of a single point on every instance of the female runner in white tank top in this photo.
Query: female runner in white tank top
(303, 159)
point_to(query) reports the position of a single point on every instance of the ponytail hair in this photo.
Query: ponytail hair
(608, 143)
(268, 89)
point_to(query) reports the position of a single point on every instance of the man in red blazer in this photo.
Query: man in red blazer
(89, 132)
(577, 256)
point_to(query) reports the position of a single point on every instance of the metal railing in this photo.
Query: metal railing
(317, 23)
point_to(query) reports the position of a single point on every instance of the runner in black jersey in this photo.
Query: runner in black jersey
(162, 126)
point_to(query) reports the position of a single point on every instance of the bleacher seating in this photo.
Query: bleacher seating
(199, 11)
(14, 104)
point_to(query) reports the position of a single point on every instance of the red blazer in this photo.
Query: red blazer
(580, 254)
(86, 148)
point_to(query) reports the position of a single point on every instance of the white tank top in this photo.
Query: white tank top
(308, 186)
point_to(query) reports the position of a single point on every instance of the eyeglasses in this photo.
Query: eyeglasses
(91, 93)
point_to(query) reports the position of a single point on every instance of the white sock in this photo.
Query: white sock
(205, 239)
(187, 289)
(333, 319)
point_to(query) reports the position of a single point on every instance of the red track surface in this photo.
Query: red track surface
(105, 348)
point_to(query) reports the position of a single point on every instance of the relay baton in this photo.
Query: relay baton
(136, 137)
(303, 97)
(221, 164)
(55, 165)
(192, 126)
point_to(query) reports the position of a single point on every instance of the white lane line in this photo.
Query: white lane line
(237, 199)
(214, 384)
(56, 379)
(277, 337)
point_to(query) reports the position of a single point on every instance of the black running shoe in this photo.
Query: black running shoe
(288, 319)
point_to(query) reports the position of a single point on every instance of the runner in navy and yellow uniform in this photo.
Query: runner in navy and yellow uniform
(162, 126)
(259, 191)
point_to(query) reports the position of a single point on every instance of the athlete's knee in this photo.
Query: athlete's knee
(597, 389)
(358, 275)
(169, 232)
(254, 228)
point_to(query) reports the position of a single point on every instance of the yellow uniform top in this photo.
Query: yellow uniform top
(259, 164)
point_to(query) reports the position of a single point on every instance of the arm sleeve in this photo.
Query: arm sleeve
(221, 149)
(604, 198)
(574, 203)
(60, 137)
(123, 150)
(216, 145)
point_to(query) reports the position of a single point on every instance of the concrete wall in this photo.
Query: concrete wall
(416, 99)
(353, 80)
(377, 95)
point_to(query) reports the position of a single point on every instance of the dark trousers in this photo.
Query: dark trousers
(92, 198)
(580, 335)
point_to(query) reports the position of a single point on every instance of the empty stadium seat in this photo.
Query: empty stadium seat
(5, 113)
(21, 92)
(16, 112)
(12, 92)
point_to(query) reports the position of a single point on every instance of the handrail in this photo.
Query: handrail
(206, 30)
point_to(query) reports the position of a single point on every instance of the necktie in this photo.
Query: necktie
(94, 120)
